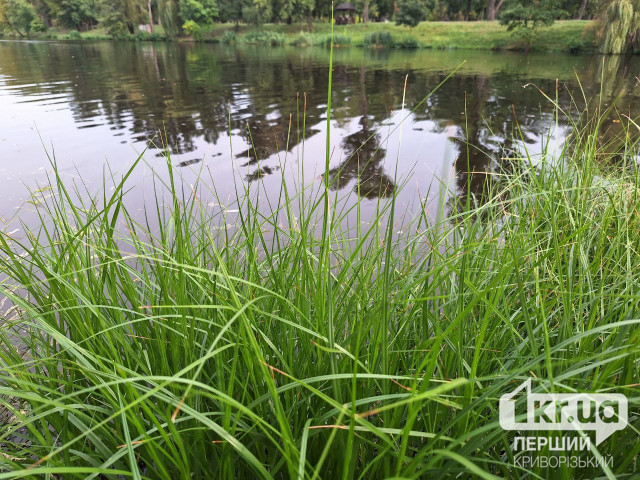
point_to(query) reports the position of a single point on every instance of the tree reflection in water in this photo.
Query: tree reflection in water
(197, 95)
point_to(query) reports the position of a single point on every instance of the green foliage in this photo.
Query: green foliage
(192, 29)
(144, 345)
(339, 40)
(231, 10)
(524, 19)
(202, 12)
(304, 8)
(74, 35)
(410, 12)
(228, 37)
(257, 12)
(37, 25)
(407, 42)
(122, 17)
(284, 9)
(621, 26)
(78, 14)
(264, 37)
(303, 39)
(19, 16)
(379, 38)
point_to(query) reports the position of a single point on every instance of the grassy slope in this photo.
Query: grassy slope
(468, 35)
(561, 37)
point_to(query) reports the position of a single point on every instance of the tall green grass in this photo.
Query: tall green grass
(295, 346)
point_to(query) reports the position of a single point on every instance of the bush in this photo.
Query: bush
(410, 12)
(202, 12)
(229, 37)
(262, 37)
(303, 39)
(141, 36)
(338, 40)
(407, 42)
(379, 38)
(38, 25)
(119, 31)
(156, 37)
(524, 21)
(74, 35)
(192, 29)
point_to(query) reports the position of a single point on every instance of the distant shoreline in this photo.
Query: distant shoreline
(570, 36)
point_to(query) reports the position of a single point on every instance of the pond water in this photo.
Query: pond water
(257, 115)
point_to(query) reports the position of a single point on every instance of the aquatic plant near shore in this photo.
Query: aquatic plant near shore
(190, 346)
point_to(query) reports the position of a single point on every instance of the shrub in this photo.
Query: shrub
(192, 29)
(410, 12)
(523, 21)
(303, 39)
(156, 37)
(119, 31)
(407, 42)
(229, 37)
(74, 35)
(38, 25)
(202, 12)
(379, 38)
(262, 37)
(339, 40)
(141, 36)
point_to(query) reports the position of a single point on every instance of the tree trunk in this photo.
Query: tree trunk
(583, 7)
(150, 15)
(365, 13)
(492, 9)
(310, 23)
(468, 11)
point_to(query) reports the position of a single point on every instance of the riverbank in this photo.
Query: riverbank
(563, 36)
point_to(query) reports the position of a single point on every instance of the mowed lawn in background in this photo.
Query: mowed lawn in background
(562, 36)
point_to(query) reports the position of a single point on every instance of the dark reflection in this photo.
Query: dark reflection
(362, 150)
(260, 172)
(186, 163)
(194, 96)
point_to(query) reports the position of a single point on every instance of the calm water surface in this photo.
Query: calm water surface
(236, 113)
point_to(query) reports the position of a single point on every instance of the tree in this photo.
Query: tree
(493, 8)
(257, 12)
(168, 16)
(410, 12)
(19, 16)
(621, 23)
(122, 16)
(304, 9)
(363, 7)
(583, 8)
(523, 20)
(202, 12)
(78, 14)
(231, 10)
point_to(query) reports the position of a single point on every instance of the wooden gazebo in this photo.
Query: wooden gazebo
(345, 13)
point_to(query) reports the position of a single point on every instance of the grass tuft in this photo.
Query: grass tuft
(250, 345)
